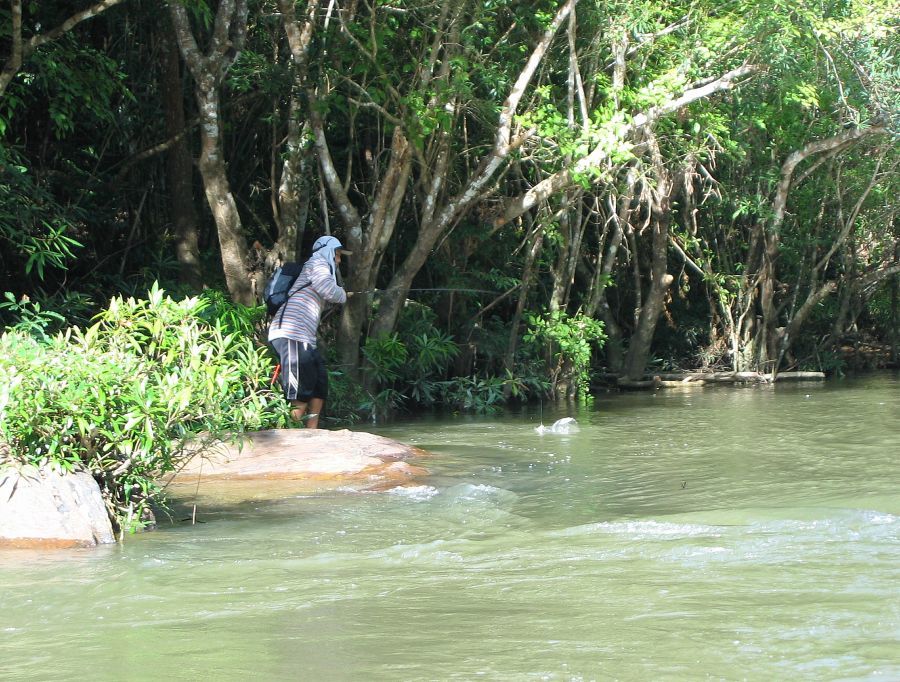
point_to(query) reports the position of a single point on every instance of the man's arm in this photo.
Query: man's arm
(325, 285)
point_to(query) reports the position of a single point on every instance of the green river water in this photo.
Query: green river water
(717, 533)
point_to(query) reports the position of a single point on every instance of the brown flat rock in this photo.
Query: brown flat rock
(278, 463)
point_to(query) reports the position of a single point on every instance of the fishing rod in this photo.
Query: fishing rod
(448, 289)
(332, 309)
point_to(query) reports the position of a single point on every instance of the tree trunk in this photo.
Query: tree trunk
(895, 313)
(232, 242)
(293, 195)
(660, 279)
(368, 245)
(761, 341)
(180, 172)
(14, 61)
(817, 293)
(228, 34)
(528, 273)
(598, 304)
(572, 227)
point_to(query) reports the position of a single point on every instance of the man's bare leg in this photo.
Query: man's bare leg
(315, 409)
(298, 411)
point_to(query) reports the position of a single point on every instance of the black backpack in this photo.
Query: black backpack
(278, 288)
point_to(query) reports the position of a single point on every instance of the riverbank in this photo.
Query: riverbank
(49, 508)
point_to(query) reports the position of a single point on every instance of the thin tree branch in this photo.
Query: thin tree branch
(21, 50)
(795, 158)
(42, 38)
(566, 177)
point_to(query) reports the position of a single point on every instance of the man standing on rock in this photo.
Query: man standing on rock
(295, 325)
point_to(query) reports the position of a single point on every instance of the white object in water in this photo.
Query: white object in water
(564, 425)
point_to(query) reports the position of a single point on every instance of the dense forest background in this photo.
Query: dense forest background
(636, 185)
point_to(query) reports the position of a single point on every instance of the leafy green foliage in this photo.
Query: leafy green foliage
(34, 229)
(409, 365)
(31, 318)
(152, 382)
(474, 394)
(386, 355)
(568, 340)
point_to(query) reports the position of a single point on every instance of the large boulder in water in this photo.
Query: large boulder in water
(277, 463)
(50, 508)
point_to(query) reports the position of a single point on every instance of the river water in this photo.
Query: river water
(715, 533)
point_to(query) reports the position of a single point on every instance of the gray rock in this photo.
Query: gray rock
(48, 508)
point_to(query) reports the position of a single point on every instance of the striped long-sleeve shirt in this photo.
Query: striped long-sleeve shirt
(299, 317)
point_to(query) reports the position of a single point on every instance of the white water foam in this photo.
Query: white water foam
(563, 426)
(644, 530)
(418, 493)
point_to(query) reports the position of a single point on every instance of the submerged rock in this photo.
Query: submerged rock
(48, 508)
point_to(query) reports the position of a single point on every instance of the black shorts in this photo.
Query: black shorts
(303, 374)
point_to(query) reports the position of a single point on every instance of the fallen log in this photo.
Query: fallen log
(800, 376)
(740, 378)
(685, 383)
(681, 378)
(684, 379)
(632, 384)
